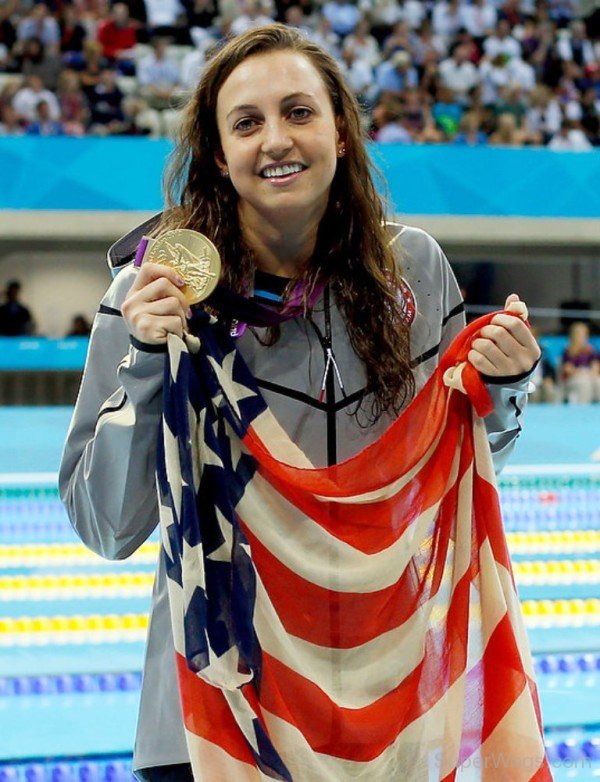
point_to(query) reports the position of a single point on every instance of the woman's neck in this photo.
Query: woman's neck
(281, 249)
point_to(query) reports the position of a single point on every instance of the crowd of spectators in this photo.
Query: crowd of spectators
(499, 72)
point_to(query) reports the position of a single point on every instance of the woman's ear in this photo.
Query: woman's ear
(221, 163)
(340, 136)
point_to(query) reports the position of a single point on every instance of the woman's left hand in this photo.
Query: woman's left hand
(506, 346)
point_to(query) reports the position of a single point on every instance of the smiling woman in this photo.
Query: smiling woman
(333, 595)
(273, 98)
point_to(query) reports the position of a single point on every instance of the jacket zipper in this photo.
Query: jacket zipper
(330, 374)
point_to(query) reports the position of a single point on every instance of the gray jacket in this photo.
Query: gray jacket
(107, 472)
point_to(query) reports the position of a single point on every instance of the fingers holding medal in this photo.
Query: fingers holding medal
(180, 268)
(192, 255)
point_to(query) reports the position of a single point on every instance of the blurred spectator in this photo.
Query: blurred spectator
(159, 76)
(10, 124)
(118, 37)
(415, 114)
(562, 11)
(510, 101)
(360, 77)
(44, 125)
(28, 97)
(459, 74)
(511, 10)
(139, 119)
(446, 19)
(38, 23)
(167, 18)
(252, 16)
(94, 62)
(494, 75)
(193, 63)
(501, 42)
(544, 378)
(324, 36)
(426, 45)
(72, 36)
(15, 318)
(32, 58)
(580, 367)
(105, 99)
(4, 57)
(590, 116)
(447, 112)
(342, 15)
(73, 104)
(363, 45)
(396, 74)
(384, 14)
(469, 130)
(201, 13)
(295, 17)
(413, 12)
(479, 18)
(507, 133)
(521, 73)
(570, 138)
(80, 327)
(543, 115)
(387, 123)
(398, 40)
(8, 34)
(576, 47)
(464, 38)
(546, 59)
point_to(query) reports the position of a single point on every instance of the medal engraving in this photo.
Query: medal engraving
(192, 255)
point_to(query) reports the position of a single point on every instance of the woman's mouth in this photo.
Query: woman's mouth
(282, 174)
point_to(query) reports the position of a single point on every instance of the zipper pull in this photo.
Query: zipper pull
(331, 362)
(325, 374)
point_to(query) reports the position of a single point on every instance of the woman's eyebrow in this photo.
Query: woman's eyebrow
(241, 107)
(284, 102)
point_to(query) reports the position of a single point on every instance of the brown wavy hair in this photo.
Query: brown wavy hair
(352, 251)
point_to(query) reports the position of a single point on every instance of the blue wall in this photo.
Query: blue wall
(39, 353)
(125, 173)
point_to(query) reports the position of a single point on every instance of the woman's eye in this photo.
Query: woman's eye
(244, 124)
(300, 113)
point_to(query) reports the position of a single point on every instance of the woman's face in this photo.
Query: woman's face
(278, 136)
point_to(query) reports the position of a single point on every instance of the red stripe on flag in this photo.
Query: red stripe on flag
(503, 677)
(486, 506)
(353, 618)
(206, 713)
(543, 774)
(373, 527)
(382, 461)
(362, 734)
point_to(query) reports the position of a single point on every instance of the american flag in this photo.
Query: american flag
(352, 622)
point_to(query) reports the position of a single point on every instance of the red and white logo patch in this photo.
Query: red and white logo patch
(408, 301)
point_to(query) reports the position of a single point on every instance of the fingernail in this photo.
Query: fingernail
(179, 281)
(188, 312)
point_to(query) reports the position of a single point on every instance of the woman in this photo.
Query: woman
(580, 367)
(275, 173)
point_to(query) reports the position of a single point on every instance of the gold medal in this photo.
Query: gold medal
(192, 255)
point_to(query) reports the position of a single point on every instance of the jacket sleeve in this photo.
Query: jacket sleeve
(503, 424)
(106, 476)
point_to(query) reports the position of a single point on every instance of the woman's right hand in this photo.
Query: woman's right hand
(155, 306)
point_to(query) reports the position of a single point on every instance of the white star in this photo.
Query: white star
(205, 452)
(223, 553)
(234, 391)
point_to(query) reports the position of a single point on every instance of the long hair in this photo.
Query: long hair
(352, 250)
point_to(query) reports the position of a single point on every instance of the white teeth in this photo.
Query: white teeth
(282, 170)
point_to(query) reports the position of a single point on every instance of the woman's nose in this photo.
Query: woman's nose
(276, 140)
